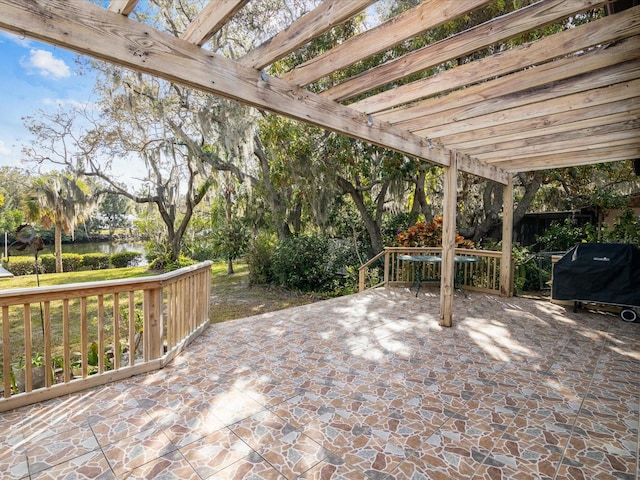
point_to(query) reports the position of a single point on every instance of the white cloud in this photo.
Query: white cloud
(4, 150)
(64, 102)
(45, 64)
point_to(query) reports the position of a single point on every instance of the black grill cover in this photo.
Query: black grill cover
(599, 272)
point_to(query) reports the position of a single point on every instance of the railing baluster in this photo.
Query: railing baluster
(6, 352)
(46, 323)
(65, 339)
(27, 348)
(116, 331)
(132, 329)
(84, 339)
(100, 333)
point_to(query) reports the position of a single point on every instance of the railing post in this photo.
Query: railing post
(361, 278)
(387, 255)
(152, 324)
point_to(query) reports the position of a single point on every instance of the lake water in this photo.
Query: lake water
(97, 247)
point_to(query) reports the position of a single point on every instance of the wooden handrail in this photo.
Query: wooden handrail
(483, 276)
(174, 306)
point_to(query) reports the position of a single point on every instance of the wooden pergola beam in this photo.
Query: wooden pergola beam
(123, 7)
(507, 89)
(211, 19)
(429, 14)
(567, 42)
(546, 95)
(567, 103)
(311, 25)
(573, 159)
(562, 121)
(91, 30)
(495, 141)
(576, 144)
(502, 28)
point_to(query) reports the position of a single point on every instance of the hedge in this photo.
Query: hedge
(96, 261)
(71, 262)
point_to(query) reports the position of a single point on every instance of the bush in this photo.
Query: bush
(259, 259)
(302, 262)
(95, 261)
(560, 236)
(71, 262)
(165, 264)
(125, 259)
(22, 265)
(48, 263)
(428, 235)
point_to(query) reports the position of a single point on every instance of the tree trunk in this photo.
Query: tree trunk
(58, 246)
(373, 229)
(276, 202)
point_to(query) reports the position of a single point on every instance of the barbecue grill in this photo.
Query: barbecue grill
(601, 273)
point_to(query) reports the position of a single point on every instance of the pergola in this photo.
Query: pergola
(568, 99)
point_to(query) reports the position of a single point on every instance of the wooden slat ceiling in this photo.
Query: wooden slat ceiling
(569, 99)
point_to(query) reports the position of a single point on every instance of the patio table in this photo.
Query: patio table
(436, 259)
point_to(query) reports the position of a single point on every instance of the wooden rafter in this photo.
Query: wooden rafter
(564, 76)
(553, 103)
(211, 19)
(427, 15)
(561, 121)
(123, 7)
(616, 138)
(584, 156)
(582, 38)
(508, 26)
(305, 29)
(610, 124)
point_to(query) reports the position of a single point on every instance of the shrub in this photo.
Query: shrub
(302, 262)
(21, 265)
(125, 259)
(428, 235)
(95, 261)
(48, 263)
(165, 264)
(71, 262)
(560, 236)
(259, 259)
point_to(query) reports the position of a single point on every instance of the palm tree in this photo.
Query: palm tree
(60, 200)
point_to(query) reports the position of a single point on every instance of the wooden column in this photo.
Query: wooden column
(506, 273)
(448, 241)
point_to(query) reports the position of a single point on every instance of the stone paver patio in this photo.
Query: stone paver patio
(360, 387)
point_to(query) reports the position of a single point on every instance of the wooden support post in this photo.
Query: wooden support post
(447, 274)
(506, 269)
(386, 268)
(152, 347)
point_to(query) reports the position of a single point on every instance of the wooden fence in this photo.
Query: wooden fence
(388, 269)
(62, 339)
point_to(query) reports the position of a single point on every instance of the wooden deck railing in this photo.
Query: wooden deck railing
(483, 276)
(62, 339)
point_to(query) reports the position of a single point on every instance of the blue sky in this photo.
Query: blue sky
(33, 76)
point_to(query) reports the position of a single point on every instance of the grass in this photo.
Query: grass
(232, 297)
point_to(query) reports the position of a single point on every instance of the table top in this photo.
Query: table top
(437, 258)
